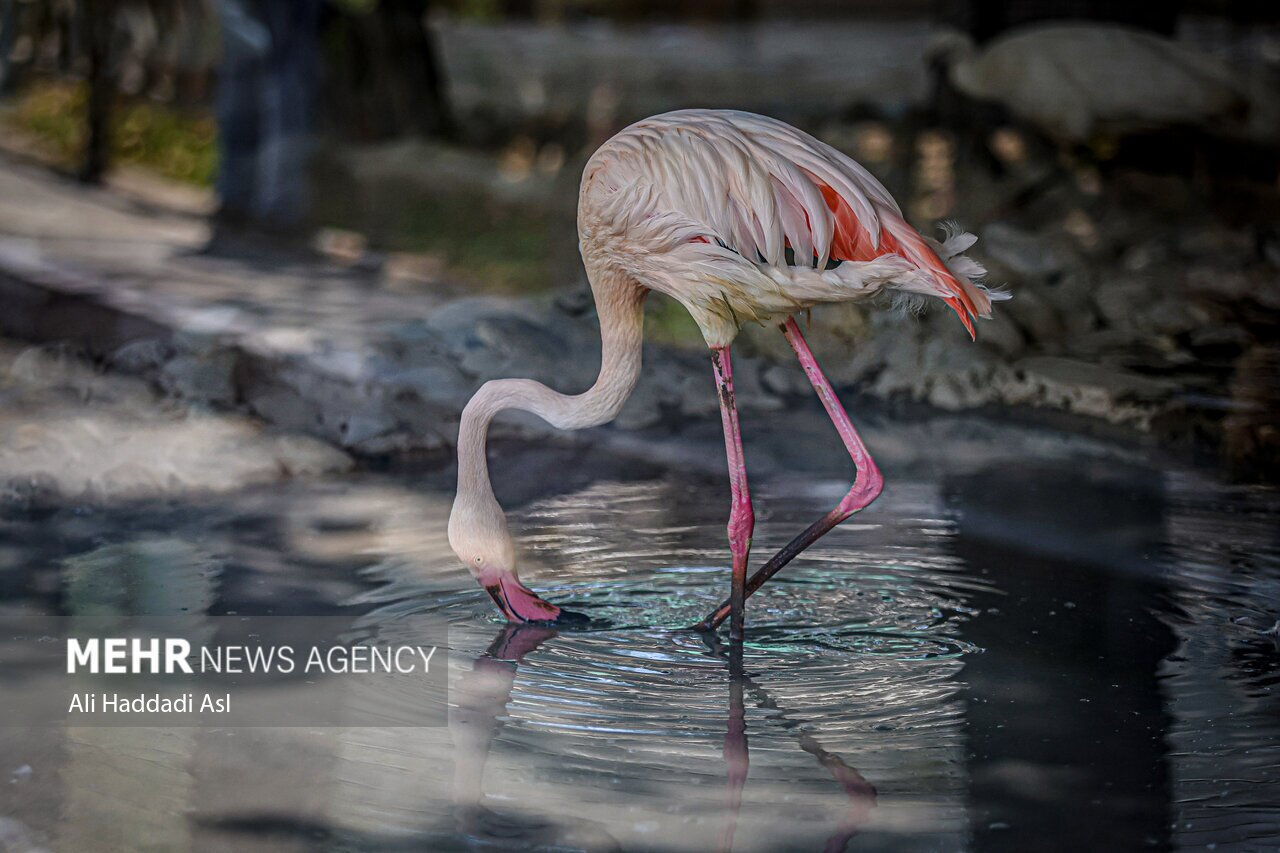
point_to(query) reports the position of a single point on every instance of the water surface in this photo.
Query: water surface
(1029, 642)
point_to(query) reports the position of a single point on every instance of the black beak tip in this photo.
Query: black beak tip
(572, 619)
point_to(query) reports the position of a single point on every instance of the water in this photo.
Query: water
(1029, 642)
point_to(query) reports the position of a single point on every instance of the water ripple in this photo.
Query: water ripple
(851, 662)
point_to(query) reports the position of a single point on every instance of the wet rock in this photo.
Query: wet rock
(103, 437)
(1038, 319)
(647, 406)
(954, 393)
(15, 837)
(1121, 300)
(1251, 431)
(1203, 240)
(205, 377)
(1095, 343)
(1213, 280)
(1001, 334)
(1095, 390)
(1175, 316)
(1145, 255)
(440, 383)
(492, 338)
(577, 302)
(1226, 336)
(781, 382)
(363, 427)
(141, 357)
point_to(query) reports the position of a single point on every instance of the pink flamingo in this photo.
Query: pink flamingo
(738, 217)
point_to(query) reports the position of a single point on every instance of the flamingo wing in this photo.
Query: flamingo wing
(782, 200)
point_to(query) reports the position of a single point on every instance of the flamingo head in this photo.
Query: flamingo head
(482, 543)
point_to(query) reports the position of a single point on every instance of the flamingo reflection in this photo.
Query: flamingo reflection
(861, 794)
(481, 699)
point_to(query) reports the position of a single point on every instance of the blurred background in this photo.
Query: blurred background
(1118, 160)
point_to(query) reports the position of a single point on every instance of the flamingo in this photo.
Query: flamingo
(739, 217)
(1062, 79)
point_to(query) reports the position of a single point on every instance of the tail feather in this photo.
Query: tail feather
(963, 296)
(851, 240)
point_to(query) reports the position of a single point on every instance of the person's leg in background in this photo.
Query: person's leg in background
(288, 101)
(8, 24)
(246, 46)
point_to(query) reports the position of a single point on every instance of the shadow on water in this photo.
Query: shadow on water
(1030, 644)
(1065, 719)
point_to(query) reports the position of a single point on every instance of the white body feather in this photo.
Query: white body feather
(701, 205)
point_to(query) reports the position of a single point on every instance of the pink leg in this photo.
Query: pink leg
(867, 482)
(741, 516)
(866, 487)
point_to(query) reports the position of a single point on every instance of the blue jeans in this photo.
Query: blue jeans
(266, 92)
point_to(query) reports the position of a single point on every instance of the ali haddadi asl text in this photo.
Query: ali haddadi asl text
(148, 703)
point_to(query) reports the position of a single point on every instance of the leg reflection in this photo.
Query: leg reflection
(736, 756)
(861, 794)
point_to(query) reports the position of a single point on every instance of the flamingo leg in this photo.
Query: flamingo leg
(866, 487)
(741, 515)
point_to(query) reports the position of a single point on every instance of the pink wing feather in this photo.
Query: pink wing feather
(758, 187)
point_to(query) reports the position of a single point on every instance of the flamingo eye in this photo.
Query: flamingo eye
(479, 560)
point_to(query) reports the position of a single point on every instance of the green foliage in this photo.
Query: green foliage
(667, 322)
(176, 144)
(501, 253)
(476, 10)
(356, 7)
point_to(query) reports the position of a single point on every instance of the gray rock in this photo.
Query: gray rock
(1024, 253)
(491, 339)
(361, 427)
(15, 837)
(206, 377)
(1120, 300)
(440, 383)
(1229, 335)
(781, 382)
(1001, 334)
(143, 356)
(1094, 390)
(1174, 316)
(645, 408)
(1119, 383)
(1039, 320)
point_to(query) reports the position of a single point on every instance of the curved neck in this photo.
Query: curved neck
(620, 305)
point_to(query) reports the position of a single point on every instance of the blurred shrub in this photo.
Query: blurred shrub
(176, 143)
(355, 7)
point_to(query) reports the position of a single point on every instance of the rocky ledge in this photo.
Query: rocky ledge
(1158, 328)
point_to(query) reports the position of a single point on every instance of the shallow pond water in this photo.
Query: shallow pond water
(1029, 642)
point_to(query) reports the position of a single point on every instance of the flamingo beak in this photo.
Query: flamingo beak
(519, 603)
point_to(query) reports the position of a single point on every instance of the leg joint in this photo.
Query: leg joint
(742, 521)
(866, 488)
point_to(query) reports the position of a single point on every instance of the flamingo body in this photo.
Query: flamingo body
(740, 218)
